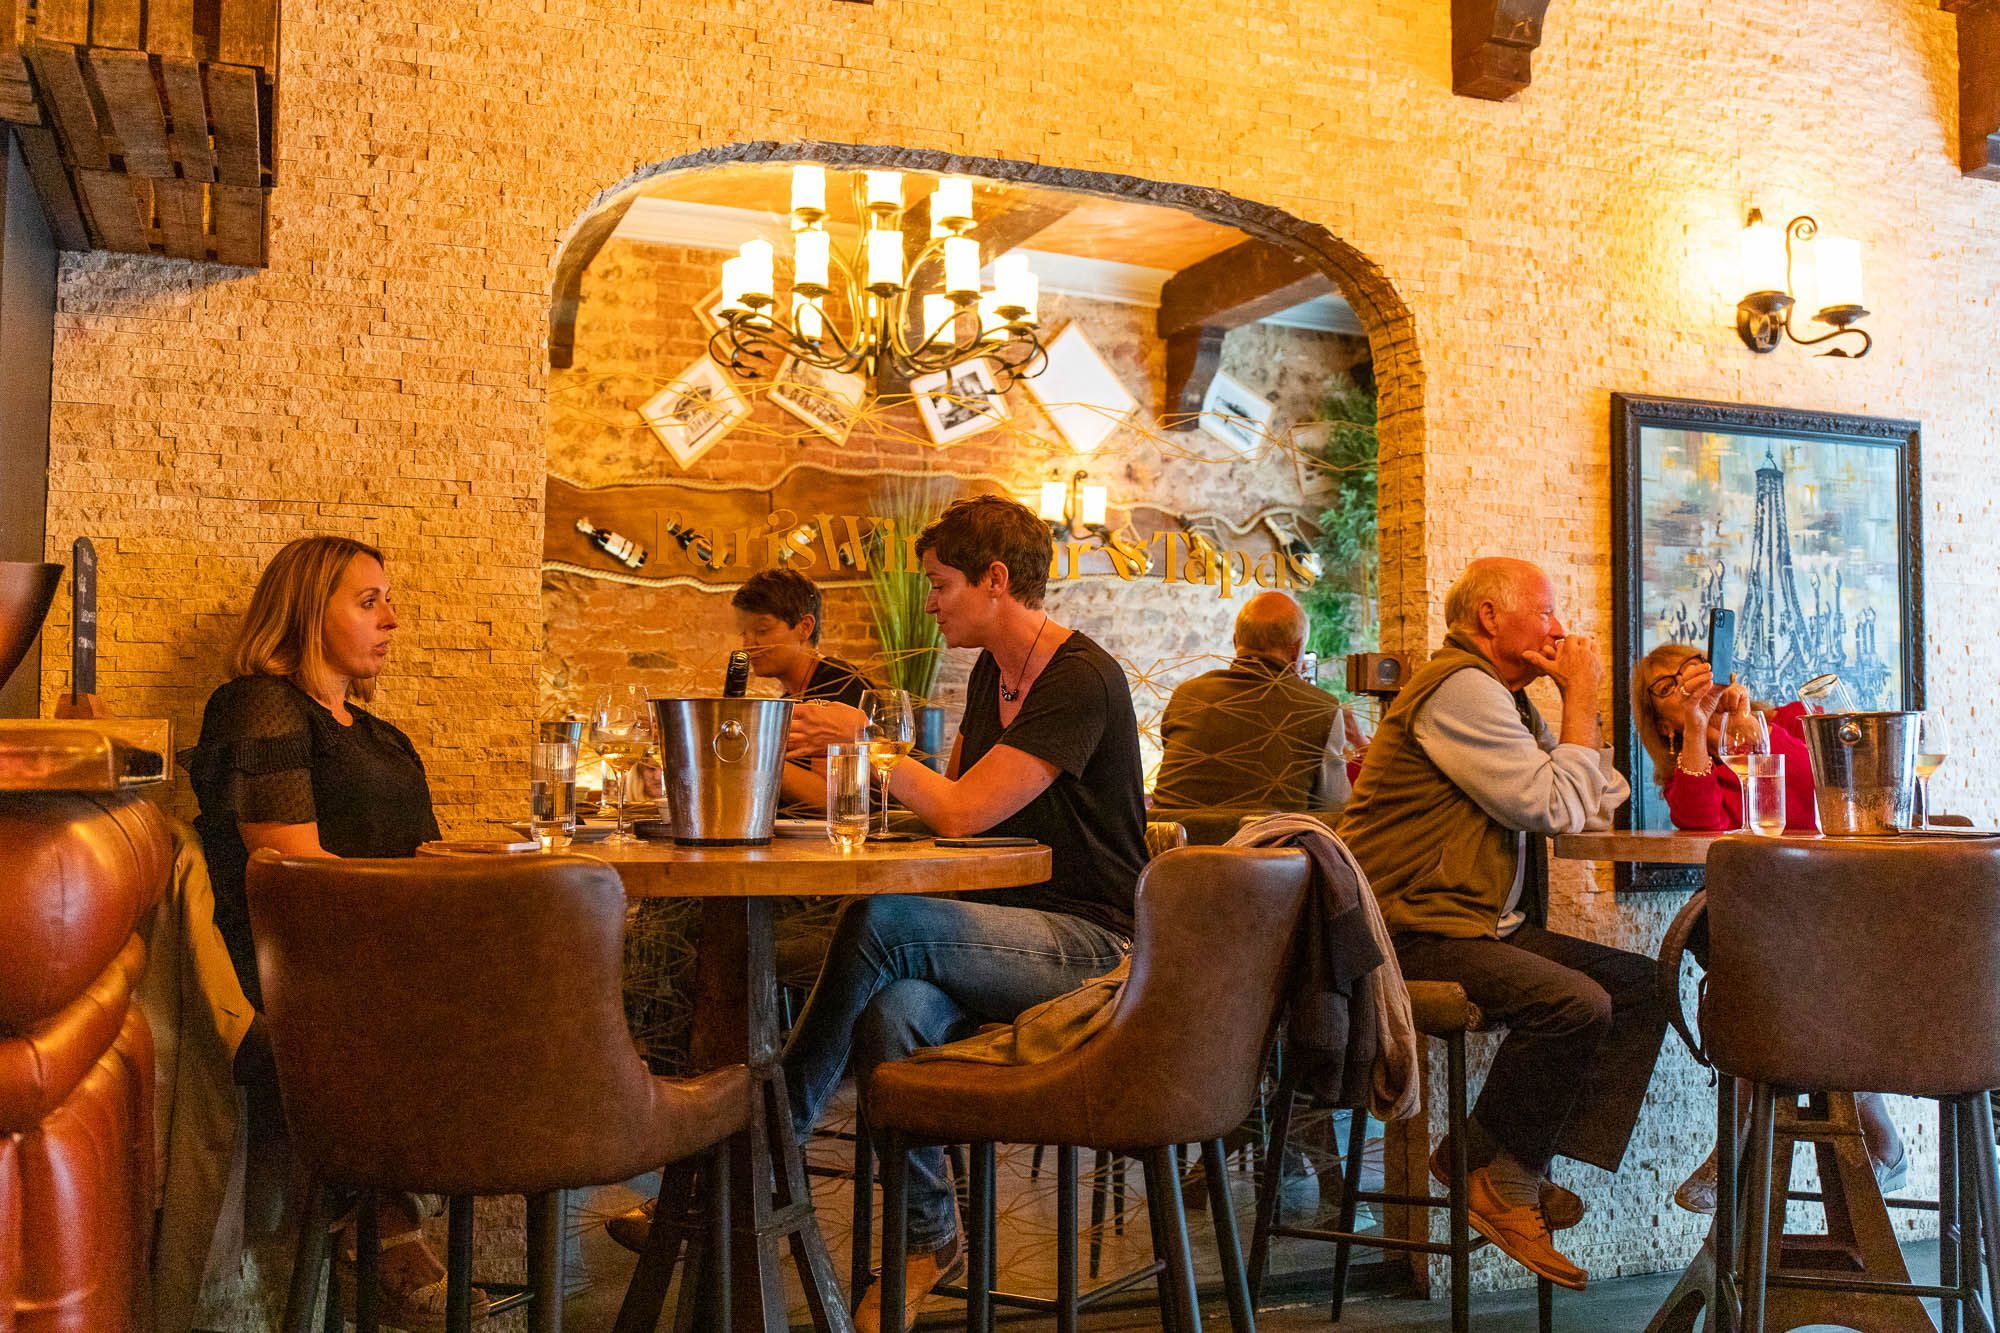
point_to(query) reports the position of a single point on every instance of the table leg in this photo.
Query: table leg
(736, 1019)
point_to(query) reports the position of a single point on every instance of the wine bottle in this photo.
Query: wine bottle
(736, 681)
(691, 541)
(622, 549)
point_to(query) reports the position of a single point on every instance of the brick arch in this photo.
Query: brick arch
(1387, 321)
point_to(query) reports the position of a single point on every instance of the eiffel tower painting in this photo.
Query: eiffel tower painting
(1804, 524)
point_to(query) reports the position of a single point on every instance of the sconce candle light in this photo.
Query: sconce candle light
(1764, 316)
(1070, 506)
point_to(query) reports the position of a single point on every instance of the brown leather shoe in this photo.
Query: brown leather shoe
(1562, 1208)
(633, 1227)
(1522, 1234)
(921, 1273)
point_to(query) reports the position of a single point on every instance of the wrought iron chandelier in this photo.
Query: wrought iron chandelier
(882, 327)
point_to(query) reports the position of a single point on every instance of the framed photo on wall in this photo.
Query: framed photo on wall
(1234, 415)
(827, 400)
(959, 402)
(1083, 396)
(1805, 524)
(691, 415)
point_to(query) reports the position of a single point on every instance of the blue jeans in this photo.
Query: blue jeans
(904, 972)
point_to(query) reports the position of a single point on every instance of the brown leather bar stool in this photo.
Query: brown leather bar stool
(1441, 1012)
(1214, 930)
(1865, 963)
(454, 1026)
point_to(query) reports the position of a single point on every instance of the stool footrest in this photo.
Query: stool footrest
(1048, 1304)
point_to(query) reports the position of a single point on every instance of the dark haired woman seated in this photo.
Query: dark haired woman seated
(288, 761)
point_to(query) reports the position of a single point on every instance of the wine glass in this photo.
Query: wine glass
(1933, 744)
(1744, 737)
(890, 730)
(621, 731)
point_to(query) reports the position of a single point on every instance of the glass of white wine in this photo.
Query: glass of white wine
(890, 731)
(1745, 740)
(621, 731)
(1933, 744)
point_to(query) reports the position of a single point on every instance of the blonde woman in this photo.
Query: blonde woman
(288, 760)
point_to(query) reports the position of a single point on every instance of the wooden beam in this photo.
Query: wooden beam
(241, 217)
(1193, 356)
(187, 104)
(116, 221)
(17, 93)
(1978, 87)
(232, 113)
(1240, 286)
(170, 29)
(68, 101)
(249, 34)
(132, 100)
(568, 297)
(116, 23)
(52, 183)
(182, 211)
(1491, 42)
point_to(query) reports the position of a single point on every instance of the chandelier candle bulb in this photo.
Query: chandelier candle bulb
(961, 265)
(951, 202)
(809, 191)
(758, 269)
(885, 259)
(992, 324)
(1010, 278)
(885, 191)
(940, 319)
(811, 250)
(806, 319)
(1839, 272)
(1031, 292)
(735, 280)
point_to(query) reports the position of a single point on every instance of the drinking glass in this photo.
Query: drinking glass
(1744, 736)
(552, 784)
(1826, 694)
(621, 730)
(847, 766)
(1764, 794)
(1933, 744)
(890, 731)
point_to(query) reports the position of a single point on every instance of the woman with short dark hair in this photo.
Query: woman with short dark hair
(1048, 749)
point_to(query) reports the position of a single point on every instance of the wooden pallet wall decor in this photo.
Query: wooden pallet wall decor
(147, 124)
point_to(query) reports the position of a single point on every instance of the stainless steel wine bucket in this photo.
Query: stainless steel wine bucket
(1864, 771)
(723, 760)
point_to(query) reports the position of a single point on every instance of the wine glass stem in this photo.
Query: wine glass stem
(1923, 811)
(624, 798)
(885, 802)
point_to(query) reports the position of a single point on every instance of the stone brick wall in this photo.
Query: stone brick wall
(386, 375)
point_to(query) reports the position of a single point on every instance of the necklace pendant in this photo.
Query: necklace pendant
(1009, 695)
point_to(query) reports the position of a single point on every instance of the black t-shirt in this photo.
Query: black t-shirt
(837, 682)
(272, 754)
(1078, 716)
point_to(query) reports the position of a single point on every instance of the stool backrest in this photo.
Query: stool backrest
(1183, 1054)
(1866, 964)
(449, 1025)
(1163, 835)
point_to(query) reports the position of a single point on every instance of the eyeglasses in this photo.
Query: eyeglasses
(1667, 686)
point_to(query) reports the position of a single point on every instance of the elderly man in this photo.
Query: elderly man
(1462, 782)
(1254, 733)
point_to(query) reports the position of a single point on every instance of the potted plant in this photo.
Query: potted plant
(912, 647)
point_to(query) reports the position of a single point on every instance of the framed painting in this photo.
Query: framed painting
(959, 402)
(692, 414)
(1805, 524)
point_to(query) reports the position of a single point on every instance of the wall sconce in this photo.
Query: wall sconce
(1764, 317)
(1071, 507)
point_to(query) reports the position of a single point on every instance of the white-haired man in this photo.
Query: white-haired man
(1463, 780)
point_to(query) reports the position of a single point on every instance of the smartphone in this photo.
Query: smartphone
(1721, 644)
(987, 842)
(1309, 667)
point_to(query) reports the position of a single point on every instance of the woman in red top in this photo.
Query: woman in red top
(1679, 709)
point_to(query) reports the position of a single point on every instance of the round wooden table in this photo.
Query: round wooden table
(736, 1020)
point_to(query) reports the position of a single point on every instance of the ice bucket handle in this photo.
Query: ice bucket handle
(1849, 734)
(732, 732)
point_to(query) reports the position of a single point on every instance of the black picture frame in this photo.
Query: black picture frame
(1632, 508)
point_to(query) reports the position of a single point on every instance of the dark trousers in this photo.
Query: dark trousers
(1584, 1024)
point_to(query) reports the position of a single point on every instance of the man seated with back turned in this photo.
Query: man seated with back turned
(1461, 784)
(1254, 733)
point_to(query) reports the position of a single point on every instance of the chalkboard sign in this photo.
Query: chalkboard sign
(83, 619)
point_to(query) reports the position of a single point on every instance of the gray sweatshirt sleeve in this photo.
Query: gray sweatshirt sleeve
(1470, 730)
